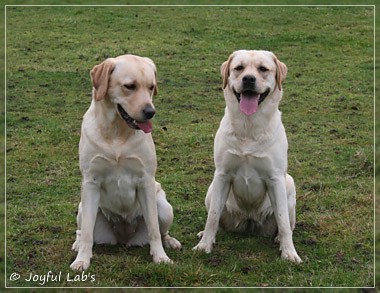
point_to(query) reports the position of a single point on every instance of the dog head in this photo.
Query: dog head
(252, 76)
(129, 83)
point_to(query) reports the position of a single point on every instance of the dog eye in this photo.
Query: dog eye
(263, 69)
(151, 88)
(130, 87)
(239, 68)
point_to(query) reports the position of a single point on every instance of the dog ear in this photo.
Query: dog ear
(155, 92)
(150, 61)
(281, 72)
(225, 70)
(100, 75)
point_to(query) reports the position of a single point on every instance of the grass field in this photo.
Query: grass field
(327, 110)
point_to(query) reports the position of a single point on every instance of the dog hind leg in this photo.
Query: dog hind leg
(165, 220)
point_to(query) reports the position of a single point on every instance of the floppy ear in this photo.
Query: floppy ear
(281, 72)
(100, 75)
(150, 61)
(225, 70)
(155, 92)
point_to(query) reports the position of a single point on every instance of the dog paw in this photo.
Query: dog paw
(171, 242)
(200, 234)
(80, 265)
(291, 256)
(162, 259)
(203, 247)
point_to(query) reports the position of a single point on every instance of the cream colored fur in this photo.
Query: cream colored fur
(251, 190)
(120, 200)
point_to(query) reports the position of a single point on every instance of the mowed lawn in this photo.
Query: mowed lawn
(327, 110)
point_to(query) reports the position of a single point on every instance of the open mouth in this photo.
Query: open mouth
(130, 121)
(145, 126)
(250, 93)
(250, 100)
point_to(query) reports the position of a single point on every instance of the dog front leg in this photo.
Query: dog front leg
(146, 193)
(90, 202)
(278, 197)
(219, 190)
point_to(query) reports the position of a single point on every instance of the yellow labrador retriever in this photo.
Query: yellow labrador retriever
(251, 190)
(120, 200)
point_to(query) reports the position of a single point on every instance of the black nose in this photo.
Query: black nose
(149, 112)
(249, 79)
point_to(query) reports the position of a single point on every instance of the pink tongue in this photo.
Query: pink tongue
(146, 126)
(249, 104)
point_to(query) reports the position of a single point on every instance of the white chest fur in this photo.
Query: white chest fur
(119, 180)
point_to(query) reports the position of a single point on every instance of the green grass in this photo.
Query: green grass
(327, 111)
